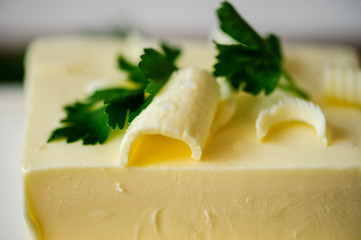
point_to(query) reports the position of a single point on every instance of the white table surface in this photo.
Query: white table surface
(12, 223)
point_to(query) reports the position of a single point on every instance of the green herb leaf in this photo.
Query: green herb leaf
(232, 24)
(134, 72)
(117, 102)
(254, 63)
(107, 109)
(158, 67)
(170, 53)
(136, 112)
(83, 122)
(93, 119)
(253, 69)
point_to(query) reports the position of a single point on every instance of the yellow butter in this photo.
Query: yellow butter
(287, 188)
(183, 110)
(292, 109)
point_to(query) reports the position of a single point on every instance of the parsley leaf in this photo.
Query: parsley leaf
(93, 119)
(117, 102)
(254, 63)
(171, 53)
(135, 74)
(83, 122)
(158, 67)
(233, 25)
(248, 68)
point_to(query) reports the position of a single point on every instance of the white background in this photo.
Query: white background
(11, 130)
(22, 20)
(321, 20)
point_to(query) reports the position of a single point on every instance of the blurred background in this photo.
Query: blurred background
(21, 21)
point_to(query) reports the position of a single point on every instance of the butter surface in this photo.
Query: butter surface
(288, 187)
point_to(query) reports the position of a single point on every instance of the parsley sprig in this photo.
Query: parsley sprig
(253, 63)
(93, 119)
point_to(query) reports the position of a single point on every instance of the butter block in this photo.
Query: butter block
(289, 186)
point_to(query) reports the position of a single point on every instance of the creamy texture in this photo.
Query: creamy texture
(292, 109)
(182, 110)
(290, 186)
(184, 203)
(342, 81)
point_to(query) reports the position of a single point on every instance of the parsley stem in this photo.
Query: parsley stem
(291, 87)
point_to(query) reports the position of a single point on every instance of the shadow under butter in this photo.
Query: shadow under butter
(291, 132)
(158, 150)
